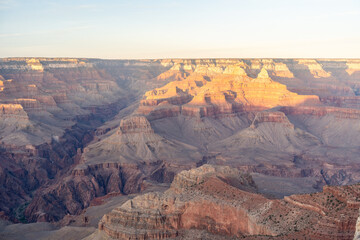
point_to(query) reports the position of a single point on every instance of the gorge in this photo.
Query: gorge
(111, 141)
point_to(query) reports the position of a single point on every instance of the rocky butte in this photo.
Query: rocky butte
(273, 143)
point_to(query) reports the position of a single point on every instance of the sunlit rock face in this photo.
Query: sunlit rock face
(315, 68)
(210, 91)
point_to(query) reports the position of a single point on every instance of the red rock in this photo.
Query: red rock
(210, 198)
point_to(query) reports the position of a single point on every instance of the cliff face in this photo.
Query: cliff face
(219, 200)
(322, 77)
(13, 112)
(78, 128)
(48, 110)
(118, 163)
(221, 91)
(335, 126)
(37, 84)
(269, 131)
(185, 206)
(135, 142)
(228, 99)
(76, 191)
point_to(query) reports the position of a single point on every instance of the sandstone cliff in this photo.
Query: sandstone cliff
(220, 92)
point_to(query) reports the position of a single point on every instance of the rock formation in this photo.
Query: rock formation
(75, 130)
(42, 102)
(135, 142)
(219, 92)
(118, 163)
(270, 131)
(221, 200)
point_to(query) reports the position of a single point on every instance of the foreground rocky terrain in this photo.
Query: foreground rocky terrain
(221, 201)
(76, 130)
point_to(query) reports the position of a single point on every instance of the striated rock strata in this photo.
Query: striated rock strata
(221, 200)
(117, 164)
(260, 115)
(217, 91)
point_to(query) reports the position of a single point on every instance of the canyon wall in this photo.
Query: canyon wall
(78, 129)
(221, 200)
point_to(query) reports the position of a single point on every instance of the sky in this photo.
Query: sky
(138, 29)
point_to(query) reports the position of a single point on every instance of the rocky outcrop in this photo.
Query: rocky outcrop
(271, 117)
(35, 64)
(217, 200)
(13, 118)
(135, 124)
(135, 142)
(196, 176)
(314, 67)
(222, 92)
(336, 205)
(268, 131)
(277, 68)
(75, 192)
(159, 216)
(12, 110)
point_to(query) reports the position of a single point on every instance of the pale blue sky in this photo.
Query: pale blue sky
(180, 28)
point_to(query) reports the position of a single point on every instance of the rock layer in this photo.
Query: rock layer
(221, 92)
(260, 115)
(217, 199)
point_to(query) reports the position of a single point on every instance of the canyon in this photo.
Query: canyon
(255, 138)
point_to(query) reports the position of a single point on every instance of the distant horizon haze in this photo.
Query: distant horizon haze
(169, 29)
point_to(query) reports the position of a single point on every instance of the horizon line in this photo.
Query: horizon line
(180, 58)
